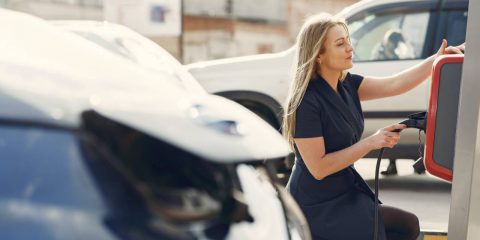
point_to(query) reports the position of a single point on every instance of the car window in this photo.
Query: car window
(393, 36)
(45, 166)
(456, 27)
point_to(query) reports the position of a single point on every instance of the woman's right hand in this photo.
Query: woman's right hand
(450, 49)
(385, 137)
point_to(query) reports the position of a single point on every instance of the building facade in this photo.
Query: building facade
(233, 28)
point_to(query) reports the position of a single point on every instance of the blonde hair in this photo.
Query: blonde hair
(310, 43)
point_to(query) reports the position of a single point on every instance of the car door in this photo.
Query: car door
(387, 40)
(453, 22)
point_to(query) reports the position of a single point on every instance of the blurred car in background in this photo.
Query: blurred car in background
(388, 36)
(95, 147)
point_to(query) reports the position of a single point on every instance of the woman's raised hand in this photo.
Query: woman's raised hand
(450, 49)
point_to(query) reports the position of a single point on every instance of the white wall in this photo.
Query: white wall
(270, 10)
(216, 44)
(206, 8)
(250, 42)
(205, 45)
(147, 17)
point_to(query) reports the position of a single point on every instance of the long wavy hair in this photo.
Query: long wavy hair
(310, 43)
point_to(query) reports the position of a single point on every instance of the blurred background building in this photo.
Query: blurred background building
(195, 30)
(234, 28)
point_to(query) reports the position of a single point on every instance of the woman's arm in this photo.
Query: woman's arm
(320, 165)
(380, 87)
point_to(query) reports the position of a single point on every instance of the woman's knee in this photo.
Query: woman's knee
(400, 222)
(414, 226)
(411, 220)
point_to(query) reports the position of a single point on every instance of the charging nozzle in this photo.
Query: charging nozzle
(416, 120)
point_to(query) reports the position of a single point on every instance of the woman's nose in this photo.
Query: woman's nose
(349, 47)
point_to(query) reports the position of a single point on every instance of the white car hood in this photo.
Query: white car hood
(212, 127)
(51, 76)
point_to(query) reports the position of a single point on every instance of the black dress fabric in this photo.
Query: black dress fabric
(340, 206)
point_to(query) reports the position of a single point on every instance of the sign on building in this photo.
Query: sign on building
(148, 17)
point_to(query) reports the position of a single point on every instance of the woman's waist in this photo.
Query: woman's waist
(303, 183)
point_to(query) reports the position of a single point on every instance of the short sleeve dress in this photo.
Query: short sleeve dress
(340, 206)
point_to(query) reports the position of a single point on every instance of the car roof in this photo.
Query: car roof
(369, 4)
(409, 4)
(52, 76)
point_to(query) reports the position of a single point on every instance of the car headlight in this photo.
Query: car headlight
(296, 226)
(296, 222)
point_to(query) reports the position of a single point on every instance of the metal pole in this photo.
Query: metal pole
(464, 219)
(180, 38)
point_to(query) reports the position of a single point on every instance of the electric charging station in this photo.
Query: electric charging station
(457, 157)
(452, 150)
(464, 217)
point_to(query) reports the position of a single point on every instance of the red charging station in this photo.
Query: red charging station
(442, 116)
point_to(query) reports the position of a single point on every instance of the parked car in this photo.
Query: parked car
(260, 82)
(95, 147)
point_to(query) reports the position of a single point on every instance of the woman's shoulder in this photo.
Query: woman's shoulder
(311, 92)
(311, 99)
(353, 79)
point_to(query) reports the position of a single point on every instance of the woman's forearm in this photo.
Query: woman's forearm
(411, 77)
(336, 161)
(408, 79)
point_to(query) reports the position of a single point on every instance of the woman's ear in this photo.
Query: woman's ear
(319, 60)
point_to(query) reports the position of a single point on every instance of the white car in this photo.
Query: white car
(260, 82)
(93, 146)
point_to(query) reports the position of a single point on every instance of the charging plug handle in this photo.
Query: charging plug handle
(416, 120)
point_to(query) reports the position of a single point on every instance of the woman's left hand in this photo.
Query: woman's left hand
(450, 49)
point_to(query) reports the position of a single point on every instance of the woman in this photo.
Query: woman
(323, 123)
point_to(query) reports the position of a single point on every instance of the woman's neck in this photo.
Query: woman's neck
(331, 77)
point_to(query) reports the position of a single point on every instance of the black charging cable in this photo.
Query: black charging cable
(377, 182)
(377, 171)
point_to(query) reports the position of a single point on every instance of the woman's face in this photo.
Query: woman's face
(338, 52)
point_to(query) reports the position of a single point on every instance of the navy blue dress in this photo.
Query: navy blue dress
(340, 206)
